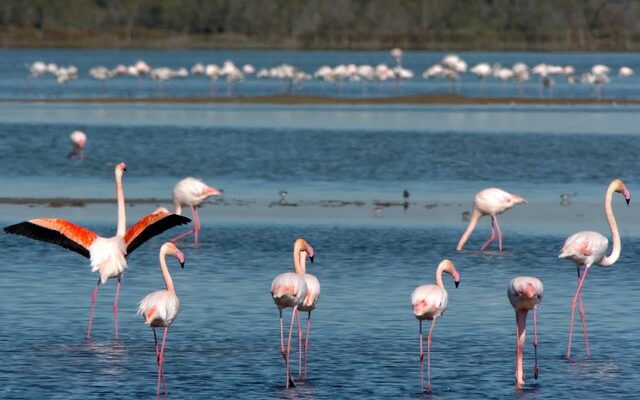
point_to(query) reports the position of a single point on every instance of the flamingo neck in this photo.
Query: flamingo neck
(299, 260)
(521, 323)
(122, 218)
(473, 221)
(615, 235)
(165, 272)
(178, 208)
(439, 272)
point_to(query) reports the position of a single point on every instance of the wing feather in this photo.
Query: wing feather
(56, 231)
(150, 226)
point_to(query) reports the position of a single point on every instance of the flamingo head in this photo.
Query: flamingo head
(301, 245)
(120, 168)
(171, 249)
(529, 291)
(310, 252)
(620, 187)
(450, 268)
(211, 191)
(517, 199)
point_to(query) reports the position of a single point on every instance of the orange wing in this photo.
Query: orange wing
(150, 226)
(56, 231)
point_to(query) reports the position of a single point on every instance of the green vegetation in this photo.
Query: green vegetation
(323, 24)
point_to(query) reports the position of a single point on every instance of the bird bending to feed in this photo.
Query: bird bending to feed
(289, 290)
(430, 302)
(160, 308)
(525, 293)
(191, 192)
(108, 255)
(587, 248)
(79, 140)
(309, 303)
(489, 202)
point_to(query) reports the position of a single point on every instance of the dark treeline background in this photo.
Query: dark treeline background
(322, 24)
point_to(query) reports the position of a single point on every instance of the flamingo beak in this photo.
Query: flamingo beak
(627, 195)
(311, 258)
(457, 283)
(180, 257)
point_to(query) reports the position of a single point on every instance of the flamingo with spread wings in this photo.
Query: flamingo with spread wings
(108, 255)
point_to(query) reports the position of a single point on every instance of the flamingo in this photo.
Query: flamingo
(491, 202)
(108, 255)
(588, 248)
(430, 302)
(79, 140)
(160, 308)
(310, 300)
(191, 192)
(289, 290)
(525, 293)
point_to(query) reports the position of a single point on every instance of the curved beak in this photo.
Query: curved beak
(627, 195)
(180, 257)
(311, 258)
(457, 283)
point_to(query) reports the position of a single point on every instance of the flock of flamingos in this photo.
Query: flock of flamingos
(299, 290)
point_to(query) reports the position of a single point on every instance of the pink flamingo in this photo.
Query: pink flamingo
(160, 308)
(489, 202)
(191, 192)
(289, 290)
(79, 140)
(430, 302)
(108, 255)
(588, 248)
(525, 293)
(309, 303)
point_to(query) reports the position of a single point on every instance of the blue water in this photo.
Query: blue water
(225, 342)
(14, 83)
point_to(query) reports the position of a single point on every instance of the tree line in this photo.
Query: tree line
(323, 24)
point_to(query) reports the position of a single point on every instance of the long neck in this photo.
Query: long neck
(165, 272)
(122, 219)
(615, 235)
(475, 216)
(521, 323)
(439, 271)
(299, 260)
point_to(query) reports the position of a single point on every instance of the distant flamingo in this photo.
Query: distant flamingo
(79, 140)
(191, 192)
(489, 202)
(430, 302)
(309, 304)
(525, 293)
(588, 248)
(161, 307)
(108, 255)
(289, 290)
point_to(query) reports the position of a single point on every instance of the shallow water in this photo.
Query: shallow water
(225, 343)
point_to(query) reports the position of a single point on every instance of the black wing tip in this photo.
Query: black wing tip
(34, 231)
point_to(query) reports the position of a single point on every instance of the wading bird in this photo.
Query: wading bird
(108, 255)
(587, 248)
(160, 308)
(191, 192)
(525, 293)
(430, 302)
(309, 303)
(489, 202)
(79, 140)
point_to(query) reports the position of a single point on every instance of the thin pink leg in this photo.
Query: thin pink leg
(288, 358)
(300, 376)
(94, 295)
(433, 324)
(583, 318)
(115, 306)
(196, 224)
(155, 341)
(535, 345)
(187, 233)
(495, 221)
(160, 362)
(491, 237)
(306, 344)
(421, 359)
(573, 308)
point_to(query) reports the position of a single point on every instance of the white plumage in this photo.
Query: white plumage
(159, 308)
(429, 301)
(288, 290)
(313, 293)
(190, 192)
(585, 248)
(108, 257)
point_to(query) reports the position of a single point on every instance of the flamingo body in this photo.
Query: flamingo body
(429, 301)
(191, 192)
(288, 290)
(313, 293)
(108, 257)
(585, 248)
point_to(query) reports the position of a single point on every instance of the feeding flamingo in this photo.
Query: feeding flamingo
(191, 192)
(588, 248)
(160, 308)
(430, 302)
(309, 303)
(289, 290)
(525, 293)
(489, 202)
(108, 255)
(79, 140)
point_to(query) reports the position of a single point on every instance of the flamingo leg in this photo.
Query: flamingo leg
(306, 344)
(491, 237)
(155, 341)
(287, 358)
(160, 362)
(433, 324)
(573, 308)
(521, 323)
(535, 345)
(583, 316)
(300, 377)
(495, 221)
(421, 359)
(115, 306)
(180, 236)
(196, 224)
(94, 295)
